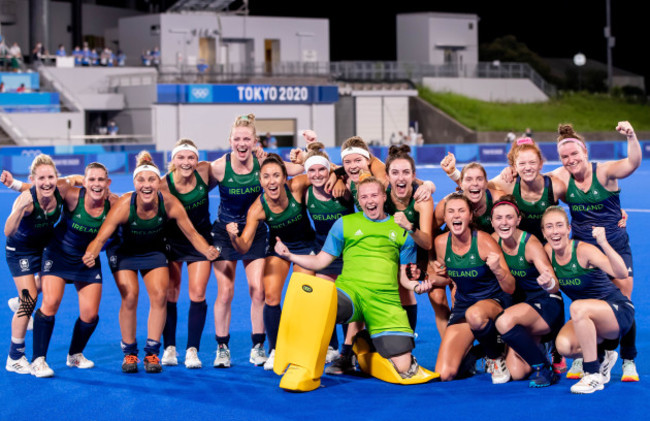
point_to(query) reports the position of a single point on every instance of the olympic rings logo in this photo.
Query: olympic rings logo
(31, 152)
(200, 93)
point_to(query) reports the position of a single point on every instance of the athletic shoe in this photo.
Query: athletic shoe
(343, 364)
(79, 361)
(543, 376)
(130, 364)
(20, 366)
(14, 305)
(40, 368)
(192, 358)
(575, 372)
(608, 363)
(332, 354)
(258, 355)
(170, 357)
(560, 366)
(629, 371)
(500, 373)
(222, 360)
(589, 384)
(152, 364)
(268, 365)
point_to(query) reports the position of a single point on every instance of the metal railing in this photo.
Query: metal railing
(370, 71)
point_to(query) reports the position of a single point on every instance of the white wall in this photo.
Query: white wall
(135, 36)
(208, 125)
(413, 38)
(49, 128)
(493, 90)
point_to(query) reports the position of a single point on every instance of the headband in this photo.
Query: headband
(317, 160)
(524, 141)
(574, 140)
(185, 147)
(354, 149)
(505, 202)
(145, 167)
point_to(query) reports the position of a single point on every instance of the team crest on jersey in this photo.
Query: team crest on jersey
(47, 265)
(24, 264)
(392, 236)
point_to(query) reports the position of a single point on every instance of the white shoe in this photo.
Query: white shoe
(500, 372)
(14, 305)
(222, 360)
(170, 357)
(575, 372)
(79, 361)
(608, 363)
(331, 355)
(629, 371)
(258, 355)
(589, 384)
(192, 358)
(40, 368)
(268, 365)
(20, 366)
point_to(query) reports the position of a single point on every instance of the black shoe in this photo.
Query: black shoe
(152, 364)
(130, 364)
(343, 364)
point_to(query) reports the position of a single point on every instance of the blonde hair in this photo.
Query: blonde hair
(144, 158)
(171, 167)
(42, 159)
(469, 167)
(316, 149)
(555, 209)
(367, 178)
(244, 120)
(97, 165)
(356, 142)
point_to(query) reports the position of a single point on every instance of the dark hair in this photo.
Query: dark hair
(274, 158)
(97, 165)
(566, 131)
(507, 199)
(457, 196)
(399, 152)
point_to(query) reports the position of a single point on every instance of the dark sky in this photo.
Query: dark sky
(365, 30)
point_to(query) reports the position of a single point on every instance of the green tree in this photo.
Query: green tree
(508, 49)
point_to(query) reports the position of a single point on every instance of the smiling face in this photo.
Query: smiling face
(318, 175)
(556, 229)
(44, 178)
(458, 216)
(96, 182)
(474, 184)
(185, 162)
(372, 197)
(146, 184)
(242, 141)
(353, 164)
(272, 179)
(528, 165)
(505, 221)
(401, 176)
(573, 157)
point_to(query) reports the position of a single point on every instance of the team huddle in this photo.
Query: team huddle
(503, 249)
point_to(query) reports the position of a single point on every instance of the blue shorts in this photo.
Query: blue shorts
(182, 250)
(220, 239)
(23, 262)
(624, 312)
(460, 307)
(295, 247)
(69, 267)
(142, 261)
(550, 308)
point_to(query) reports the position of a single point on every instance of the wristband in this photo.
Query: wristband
(340, 171)
(416, 285)
(455, 176)
(552, 285)
(16, 185)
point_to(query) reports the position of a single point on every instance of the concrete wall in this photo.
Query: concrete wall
(438, 127)
(420, 37)
(135, 36)
(208, 125)
(50, 128)
(95, 21)
(493, 90)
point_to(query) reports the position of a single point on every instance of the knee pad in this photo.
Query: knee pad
(305, 327)
(27, 304)
(382, 368)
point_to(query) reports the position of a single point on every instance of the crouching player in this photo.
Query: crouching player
(375, 254)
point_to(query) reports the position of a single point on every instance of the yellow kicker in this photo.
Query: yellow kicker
(377, 366)
(308, 317)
